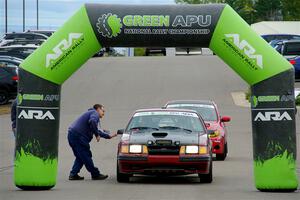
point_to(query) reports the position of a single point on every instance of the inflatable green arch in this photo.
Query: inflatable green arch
(216, 26)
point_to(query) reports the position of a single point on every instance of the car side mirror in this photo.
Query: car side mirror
(120, 132)
(225, 119)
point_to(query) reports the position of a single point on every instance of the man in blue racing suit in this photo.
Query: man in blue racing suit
(80, 134)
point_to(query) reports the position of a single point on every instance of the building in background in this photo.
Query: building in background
(277, 27)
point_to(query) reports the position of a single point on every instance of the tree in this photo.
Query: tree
(268, 10)
(291, 10)
(245, 8)
(258, 10)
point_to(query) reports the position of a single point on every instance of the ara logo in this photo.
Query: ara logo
(109, 25)
(246, 48)
(273, 116)
(36, 114)
(64, 45)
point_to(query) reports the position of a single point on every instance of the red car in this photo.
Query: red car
(165, 141)
(213, 121)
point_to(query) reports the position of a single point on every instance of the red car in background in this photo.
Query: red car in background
(213, 121)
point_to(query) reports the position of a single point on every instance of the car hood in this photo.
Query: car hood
(213, 125)
(181, 136)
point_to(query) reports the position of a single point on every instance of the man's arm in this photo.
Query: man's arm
(93, 121)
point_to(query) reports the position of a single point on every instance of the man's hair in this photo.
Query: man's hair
(96, 106)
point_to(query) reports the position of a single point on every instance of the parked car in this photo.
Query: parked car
(290, 49)
(8, 78)
(213, 121)
(155, 50)
(8, 37)
(19, 51)
(36, 42)
(48, 33)
(164, 141)
(270, 37)
(188, 51)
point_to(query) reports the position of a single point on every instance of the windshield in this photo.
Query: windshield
(292, 49)
(171, 121)
(207, 112)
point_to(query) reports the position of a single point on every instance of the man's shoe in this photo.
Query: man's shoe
(100, 177)
(75, 177)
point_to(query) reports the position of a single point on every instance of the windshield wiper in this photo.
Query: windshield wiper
(175, 127)
(143, 128)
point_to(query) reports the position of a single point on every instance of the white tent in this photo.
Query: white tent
(277, 27)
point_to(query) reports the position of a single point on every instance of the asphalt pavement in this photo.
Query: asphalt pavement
(123, 85)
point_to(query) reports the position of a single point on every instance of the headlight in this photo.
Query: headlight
(124, 149)
(215, 134)
(191, 149)
(135, 148)
(203, 150)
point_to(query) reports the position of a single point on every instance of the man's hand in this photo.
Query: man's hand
(113, 135)
(98, 138)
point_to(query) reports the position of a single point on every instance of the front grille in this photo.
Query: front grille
(163, 150)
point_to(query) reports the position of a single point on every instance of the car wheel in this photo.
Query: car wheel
(3, 97)
(122, 178)
(207, 178)
(222, 156)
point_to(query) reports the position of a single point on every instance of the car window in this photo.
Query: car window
(278, 47)
(207, 112)
(165, 120)
(7, 64)
(291, 49)
(269, 38)
(295, 37)
(40, 37)
(4, 73)
(3, 64)
(19, 52)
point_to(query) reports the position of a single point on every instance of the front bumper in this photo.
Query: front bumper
(166, 164)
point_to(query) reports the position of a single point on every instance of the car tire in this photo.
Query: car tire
(207, 178)
(222, 156)
(4, 98)
(122, 178)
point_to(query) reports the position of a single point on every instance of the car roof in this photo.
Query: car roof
(26, 33)
(280, 34)
(48, 33)
(165, 110)
(9, 57)
(23, 42)
(3, 57)
(40, 31)
(206, 102)
(20, 46)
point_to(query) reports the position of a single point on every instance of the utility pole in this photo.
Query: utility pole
(5, 16)
(23, 15)
(37, 14)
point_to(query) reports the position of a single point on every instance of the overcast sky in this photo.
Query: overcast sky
(52, 13)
